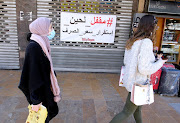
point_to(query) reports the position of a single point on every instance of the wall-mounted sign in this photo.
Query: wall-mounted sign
(25, 15)
(164, 7)
(87, 27)
(136, 19)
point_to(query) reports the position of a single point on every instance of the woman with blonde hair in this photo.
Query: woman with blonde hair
(139, 62)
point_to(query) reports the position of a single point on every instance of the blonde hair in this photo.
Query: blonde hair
(146, 29)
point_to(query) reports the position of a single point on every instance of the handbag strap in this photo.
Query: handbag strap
(148, 76)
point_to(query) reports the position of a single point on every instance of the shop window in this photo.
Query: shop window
(171, 40)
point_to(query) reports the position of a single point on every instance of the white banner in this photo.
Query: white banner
(87, 27)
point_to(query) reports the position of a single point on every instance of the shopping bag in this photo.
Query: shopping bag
(168, 65)
(121, 76)
(37, 117)
(155, 79)
(142, 94)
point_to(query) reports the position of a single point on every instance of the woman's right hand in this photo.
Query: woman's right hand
(164, 61)
(36, 107)
(159, 56)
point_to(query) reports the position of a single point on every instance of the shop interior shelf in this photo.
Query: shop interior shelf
(171, 53)
(170, 42)
(172, 30)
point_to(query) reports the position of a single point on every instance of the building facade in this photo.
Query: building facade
(16, 15)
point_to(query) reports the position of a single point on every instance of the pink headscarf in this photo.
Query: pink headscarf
(40, 30)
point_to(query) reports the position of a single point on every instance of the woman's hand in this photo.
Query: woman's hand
(36, 107)
(159, 56)
(57, 98)
(164, 61)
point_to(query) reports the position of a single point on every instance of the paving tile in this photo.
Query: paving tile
(114, 107)
(168, 119)
(102, 114)
(170, 99)
(57, 120)
(67, 85)
(87, 94)
(174, 114)
(19, 115)
(110, 94)
(3, 74)
(176, 106)
(95, 85)
(86, 98)
(2, 99)
(9, 111)
(146, 107)
(89, 113)
(61, 116)
(148, 114)
(160, 110)
(155, 119)
(121, 90)
(98, 95)
(145, 119)
(20, 121)
(23, 103)
(74, 112)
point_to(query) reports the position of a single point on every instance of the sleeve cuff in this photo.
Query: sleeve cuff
(36, 102)
(160, 62)
(35, 99)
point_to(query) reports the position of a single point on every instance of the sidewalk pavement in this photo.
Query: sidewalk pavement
(86, 98)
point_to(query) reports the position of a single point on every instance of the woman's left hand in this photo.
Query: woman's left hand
(36, 107)
(57, 98)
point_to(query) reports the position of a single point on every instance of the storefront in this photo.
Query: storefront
(169, 27)
(88, 56)
(67, 55)
(168, 32)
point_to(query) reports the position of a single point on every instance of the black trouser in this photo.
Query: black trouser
(129, 109)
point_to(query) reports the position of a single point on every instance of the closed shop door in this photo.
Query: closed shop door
(88, 56)
(9, 51)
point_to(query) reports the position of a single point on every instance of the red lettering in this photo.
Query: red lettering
(98, 20)
(90, 39)
(109, 22)
(87, 39)
(83, 39)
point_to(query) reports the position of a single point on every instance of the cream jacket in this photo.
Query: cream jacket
(139, 62)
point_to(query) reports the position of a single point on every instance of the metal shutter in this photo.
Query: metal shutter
(9, 51)
(85, 56)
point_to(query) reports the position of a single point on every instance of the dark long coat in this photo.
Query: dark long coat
(35, 80)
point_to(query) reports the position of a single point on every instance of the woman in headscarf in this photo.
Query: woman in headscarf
(38, 80)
